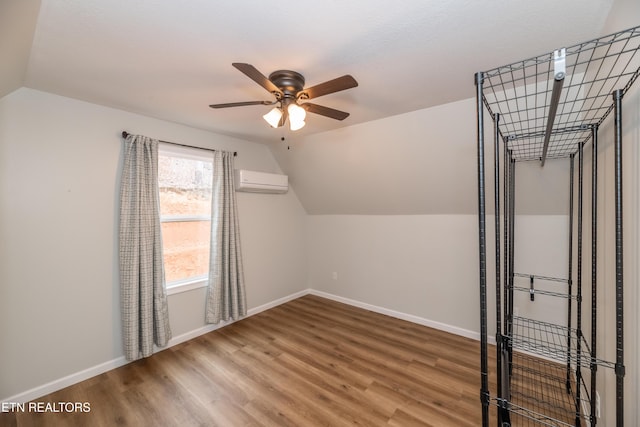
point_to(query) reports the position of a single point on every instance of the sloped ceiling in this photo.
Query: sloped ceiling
(414, 61)
(422, 162)
(171, 59)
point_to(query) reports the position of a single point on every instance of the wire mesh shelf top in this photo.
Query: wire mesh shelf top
(543, 393)
(540, 386)
(552, 341)
(522, 416)
(521, 93)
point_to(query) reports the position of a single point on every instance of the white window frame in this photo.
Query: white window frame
(172, 150)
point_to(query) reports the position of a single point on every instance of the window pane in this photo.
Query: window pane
(185, 193)
(185, 186)
(185, 249)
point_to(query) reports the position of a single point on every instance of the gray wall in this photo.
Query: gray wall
(393, 207)
(59, 293)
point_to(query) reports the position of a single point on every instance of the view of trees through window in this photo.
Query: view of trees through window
(185, 212)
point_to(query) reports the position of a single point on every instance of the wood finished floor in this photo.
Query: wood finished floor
(309, 362)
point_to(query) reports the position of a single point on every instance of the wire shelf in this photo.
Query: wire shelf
(522, 93)
(541, 387)
(553, 342)
(524, 417)
(539, 394)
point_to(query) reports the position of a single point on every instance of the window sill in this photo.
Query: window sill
(187, 286)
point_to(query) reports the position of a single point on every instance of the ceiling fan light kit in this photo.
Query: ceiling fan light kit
(296, 125)
(273, 117)
(297, 114)
(288, 88)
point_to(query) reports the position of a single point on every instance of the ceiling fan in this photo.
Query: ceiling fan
(288, 88)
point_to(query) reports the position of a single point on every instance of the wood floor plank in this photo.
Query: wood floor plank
(309, 362)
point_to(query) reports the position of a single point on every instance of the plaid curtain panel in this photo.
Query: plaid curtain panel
(145, 313)
(225, 292)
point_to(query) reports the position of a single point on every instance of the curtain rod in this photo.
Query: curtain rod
(126, 134)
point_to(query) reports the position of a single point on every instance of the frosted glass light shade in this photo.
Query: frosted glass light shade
(295, 125)
(273, 117)
(296, 112)
(297, 115)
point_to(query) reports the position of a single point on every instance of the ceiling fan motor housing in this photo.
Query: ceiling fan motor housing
(289, 82)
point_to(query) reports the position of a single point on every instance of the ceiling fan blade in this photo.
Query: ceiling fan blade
(331, 86)
(255, 75)
(241, 104)
(324, 111)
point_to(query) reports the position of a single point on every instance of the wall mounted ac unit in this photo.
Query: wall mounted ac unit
(260, 182)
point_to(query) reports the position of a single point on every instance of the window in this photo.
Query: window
(184, 179)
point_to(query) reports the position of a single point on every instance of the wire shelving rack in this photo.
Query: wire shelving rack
(551, 107)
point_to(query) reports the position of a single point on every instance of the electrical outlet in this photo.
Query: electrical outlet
(597, 405)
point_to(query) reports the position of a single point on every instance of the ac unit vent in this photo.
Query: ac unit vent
(260, 182)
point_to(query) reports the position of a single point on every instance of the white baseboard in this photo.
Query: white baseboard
(403, 316)
(209, 328)
(93, 371)
(278, 302)
(61, 383)
(77, 377)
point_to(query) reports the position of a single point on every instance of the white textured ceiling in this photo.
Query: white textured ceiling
(171, 59)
